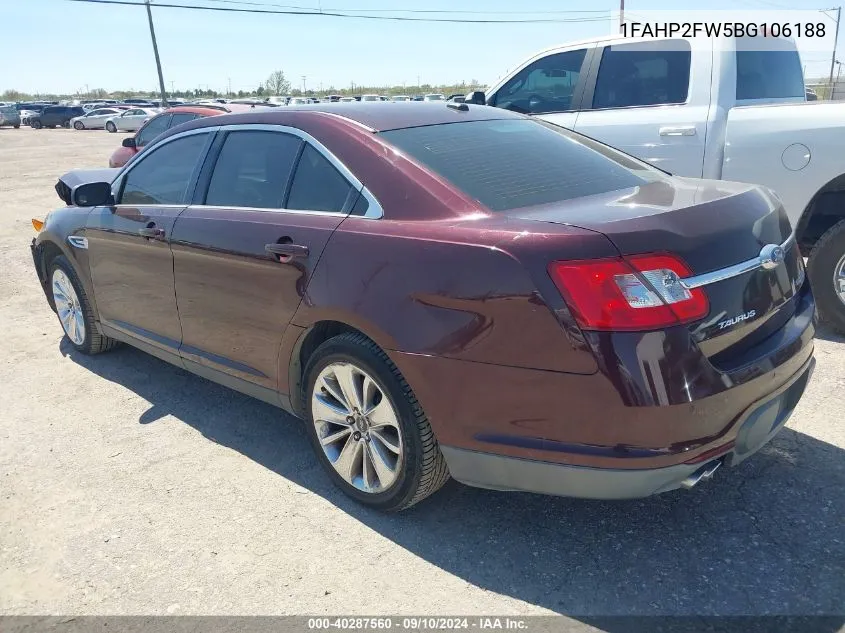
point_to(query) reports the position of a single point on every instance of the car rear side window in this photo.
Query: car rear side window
(768, 74)
(152, 129)
(163, 176)
(253, 170)
(317, 185)
(508, 164)
(643, 74)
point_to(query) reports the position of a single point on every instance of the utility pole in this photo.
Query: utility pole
(303, 85)
(158, 61)
(835, 42)
(621, 14)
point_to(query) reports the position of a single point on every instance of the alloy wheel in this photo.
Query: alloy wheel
(839, 279)
(357, 427)
(68, 307)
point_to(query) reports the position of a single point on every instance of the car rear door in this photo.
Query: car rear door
(245, 251)
(639, 99)
(129, 251)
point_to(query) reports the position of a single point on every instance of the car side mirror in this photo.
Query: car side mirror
(93, 194)
(129, 141)
(475, 97)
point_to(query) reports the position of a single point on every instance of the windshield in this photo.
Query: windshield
(508, 164)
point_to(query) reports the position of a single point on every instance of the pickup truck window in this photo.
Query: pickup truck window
(547, 85)
(768, 74)
(640, 75)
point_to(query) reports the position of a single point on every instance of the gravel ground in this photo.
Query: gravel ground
(128, 486)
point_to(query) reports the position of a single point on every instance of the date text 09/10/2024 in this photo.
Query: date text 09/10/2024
(417, 623)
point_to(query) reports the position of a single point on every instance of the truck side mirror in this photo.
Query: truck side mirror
(476, 97)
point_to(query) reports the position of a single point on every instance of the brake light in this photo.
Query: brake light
(642, 292)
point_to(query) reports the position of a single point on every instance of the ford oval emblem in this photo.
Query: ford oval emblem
(771, 256)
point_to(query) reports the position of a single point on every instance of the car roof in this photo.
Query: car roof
(377, 116)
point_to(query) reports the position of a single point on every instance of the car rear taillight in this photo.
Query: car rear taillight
(642, 292)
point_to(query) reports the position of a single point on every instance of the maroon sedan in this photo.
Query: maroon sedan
(447, 289)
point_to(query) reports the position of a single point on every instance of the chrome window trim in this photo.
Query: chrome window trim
(731, 271)
(374, 211)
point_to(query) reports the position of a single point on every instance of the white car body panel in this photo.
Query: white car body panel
(132, 120)
(712, 135)
(96, 119)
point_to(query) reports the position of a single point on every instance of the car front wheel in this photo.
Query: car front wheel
(74, 310)
(826, 270)
(111, 127)
(78, 125)
(37, 124)
(367, 428)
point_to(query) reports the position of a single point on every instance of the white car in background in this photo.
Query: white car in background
(347, 99)
(130, 120)
(298, 101)
(370, 98)
(95, 119)
(400, 98)
(434, 97)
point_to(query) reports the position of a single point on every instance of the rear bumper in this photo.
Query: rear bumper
(755, 428)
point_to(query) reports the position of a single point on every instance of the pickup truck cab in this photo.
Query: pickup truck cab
(726, 110)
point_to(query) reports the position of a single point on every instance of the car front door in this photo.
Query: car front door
(155, 126)
(245, 251)
(638, 99)
(128, 243)
(548, 85)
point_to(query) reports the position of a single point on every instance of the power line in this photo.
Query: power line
(413, 11)
(338, 14)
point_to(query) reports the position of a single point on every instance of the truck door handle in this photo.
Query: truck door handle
(151, 231)
(287, 250)
(683, 130)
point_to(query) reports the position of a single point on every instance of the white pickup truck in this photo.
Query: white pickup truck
(720, 111)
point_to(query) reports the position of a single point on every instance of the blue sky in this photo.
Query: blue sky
(112, 49)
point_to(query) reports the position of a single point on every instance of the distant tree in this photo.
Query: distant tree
(241, 94)
(276, 83)
(12, 95)
(259, 92)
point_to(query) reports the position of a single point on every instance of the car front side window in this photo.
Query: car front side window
(152, 129)
(164, 175)
(546, 85)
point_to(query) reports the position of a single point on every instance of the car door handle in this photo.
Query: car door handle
(684, 130)
(151, 231)
(287, 250)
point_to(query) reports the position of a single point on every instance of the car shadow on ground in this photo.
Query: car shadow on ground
(827, 333)
(765, 537)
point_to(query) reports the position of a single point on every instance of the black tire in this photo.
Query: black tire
(423, 471)
(17, 126)
(36, 124)
(66, 125)
(94, 342)
(111, 127)
(824, 260)
(78, 125)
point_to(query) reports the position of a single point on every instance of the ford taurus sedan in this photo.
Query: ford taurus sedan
(447, 289)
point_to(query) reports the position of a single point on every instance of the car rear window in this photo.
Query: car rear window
(509, 164)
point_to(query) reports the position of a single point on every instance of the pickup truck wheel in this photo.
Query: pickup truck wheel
(826, 270)
(74, 310)
(367, 428)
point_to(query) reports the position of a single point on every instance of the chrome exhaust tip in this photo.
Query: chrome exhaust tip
(702, 474)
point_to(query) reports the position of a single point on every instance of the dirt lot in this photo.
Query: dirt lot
(128, 486)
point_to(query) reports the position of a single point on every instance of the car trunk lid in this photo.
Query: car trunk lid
(712, 226)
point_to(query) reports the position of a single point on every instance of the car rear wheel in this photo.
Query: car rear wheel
(37, 124)
(367, 428)
(74, 310)
(78, 125)
(826, 270)
(111, 127)
(17, 126)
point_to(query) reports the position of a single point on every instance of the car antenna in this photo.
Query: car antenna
(458, 106)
